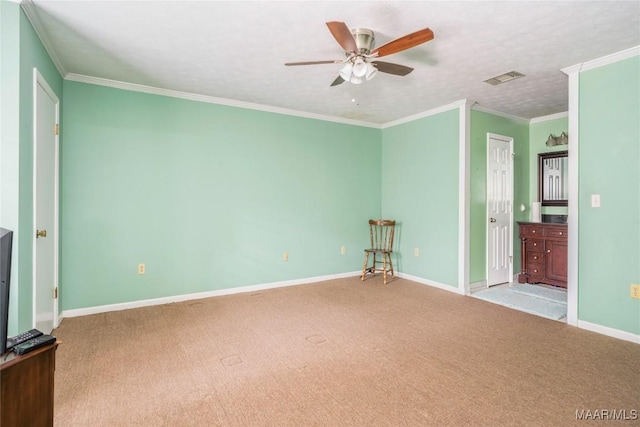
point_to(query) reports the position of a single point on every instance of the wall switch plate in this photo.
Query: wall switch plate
(285, 256)
(141, 269)
(635, 291)
(343, 250)
(595, 200)
(416, 252)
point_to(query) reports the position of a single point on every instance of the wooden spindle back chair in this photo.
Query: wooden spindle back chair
(381, 232)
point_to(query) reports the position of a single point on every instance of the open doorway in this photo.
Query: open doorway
(533, 293)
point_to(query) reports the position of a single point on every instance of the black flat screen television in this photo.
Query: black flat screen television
(6, 241)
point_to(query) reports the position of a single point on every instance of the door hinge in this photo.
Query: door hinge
(56, 129)
(55, 292)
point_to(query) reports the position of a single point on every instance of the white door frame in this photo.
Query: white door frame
(511, 173)
(39, 80)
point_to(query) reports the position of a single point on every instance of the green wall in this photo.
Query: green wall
(22, 50)
(609, 156)
(207, 196)
(420, 191)
(10, 137)
(538, 135)
(481, 124)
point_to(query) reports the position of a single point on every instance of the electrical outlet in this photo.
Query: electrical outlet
(416, 252)
(635, 291)
(141, 269)
(343, 250)
(285, 256)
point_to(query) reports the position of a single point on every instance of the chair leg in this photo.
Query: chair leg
(391, 267)
(384, 268)
(364, 266)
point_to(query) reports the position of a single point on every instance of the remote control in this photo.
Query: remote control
(33, 344)
(23, 337)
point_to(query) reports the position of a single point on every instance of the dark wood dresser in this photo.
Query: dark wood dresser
(26, 385)
(543, 253)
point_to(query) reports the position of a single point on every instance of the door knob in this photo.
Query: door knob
(41, 233)
(492, 219)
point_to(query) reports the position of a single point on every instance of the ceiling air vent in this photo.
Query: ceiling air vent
(503, 78)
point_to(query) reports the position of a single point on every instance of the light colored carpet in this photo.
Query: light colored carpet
(337, 353)
(532, 299)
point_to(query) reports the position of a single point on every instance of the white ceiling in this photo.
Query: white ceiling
(235, 50)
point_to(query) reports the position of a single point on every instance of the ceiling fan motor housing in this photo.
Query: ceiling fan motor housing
(364, 40)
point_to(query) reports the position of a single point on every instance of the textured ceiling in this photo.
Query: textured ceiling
(235, 50)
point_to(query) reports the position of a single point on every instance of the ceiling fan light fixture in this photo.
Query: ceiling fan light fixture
(359, 67)
(346, 72)
(356, 80)
(371, 71)
(357, 44)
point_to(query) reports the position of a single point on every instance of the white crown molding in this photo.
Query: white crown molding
(211, 99)
(518, 119)
(248, 105)
(32, 15)
(200, 295)
(605, 60)
(424, 114)
(549, 117)
(574, 69)
(610, 59)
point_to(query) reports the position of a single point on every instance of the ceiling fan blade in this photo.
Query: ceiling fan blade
(343, 36)
(331, 61)
(390, 68)
(338, 81)
(403, 43)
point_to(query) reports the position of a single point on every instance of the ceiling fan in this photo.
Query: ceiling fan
(358, 44)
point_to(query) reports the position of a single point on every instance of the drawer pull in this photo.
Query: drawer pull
(535, 244)
(548, 251)
(535, 257)
(561, 233)
(533, 231)
(535, 271)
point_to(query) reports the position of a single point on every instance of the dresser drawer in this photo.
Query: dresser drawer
(534, 258)
(536, 271)
(555, 232)
(535, 245)
(531, 230)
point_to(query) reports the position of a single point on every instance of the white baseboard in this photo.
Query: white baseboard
(199, 295)
(593, 327)
(477, 286)
(605, 330)
(432, 283)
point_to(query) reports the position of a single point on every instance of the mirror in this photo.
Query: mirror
(553, 178)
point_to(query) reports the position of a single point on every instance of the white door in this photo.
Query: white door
(499, 209)
(45, 205)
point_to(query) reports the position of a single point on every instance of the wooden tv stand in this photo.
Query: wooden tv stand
(26, 387)
(543, 253)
